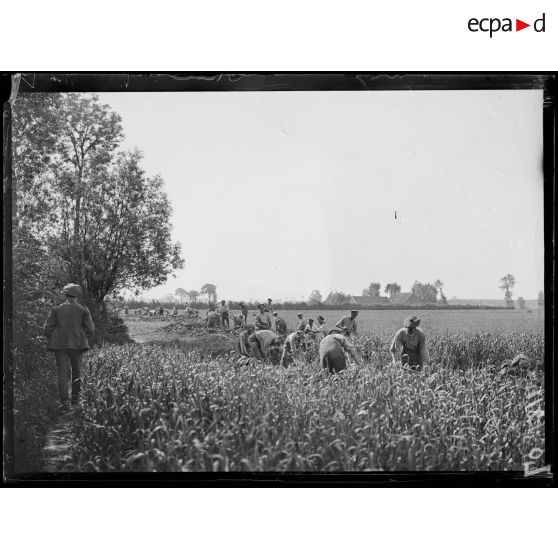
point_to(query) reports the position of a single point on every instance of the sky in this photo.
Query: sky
(275, 194)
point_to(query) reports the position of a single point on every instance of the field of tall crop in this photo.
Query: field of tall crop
(164, 407)
(468, 321)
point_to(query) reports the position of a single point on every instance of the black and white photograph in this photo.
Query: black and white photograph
(287, 274)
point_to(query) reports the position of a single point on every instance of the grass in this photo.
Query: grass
(170, 407)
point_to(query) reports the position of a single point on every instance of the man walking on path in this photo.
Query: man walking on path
(224, 314)
(332, 352)
(280, 324)
(67, 328)
(347, 324)
(409, 346)
(263, 319)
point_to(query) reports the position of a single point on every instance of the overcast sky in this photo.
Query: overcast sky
(278, 193)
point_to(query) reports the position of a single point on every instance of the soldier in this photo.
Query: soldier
(332, 351)
(224, 315)
(280, 324)
(67, 328)
(311, 330)
(243, 344)
(263, 320)
(264, 339)
(302, 323)
(347, 324)
(322, 327)
(244, 311)
(409, 346)
(292, 346)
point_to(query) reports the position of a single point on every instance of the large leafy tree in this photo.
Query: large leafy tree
(392, 289)
(372, 290)
(425, 292)
(507, 284)
(210, 290)
(181, 294)
(438, 284)
(193, 295)
(315, 297)
(100, 216)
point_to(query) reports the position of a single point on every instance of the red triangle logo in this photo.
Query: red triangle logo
(519, 25)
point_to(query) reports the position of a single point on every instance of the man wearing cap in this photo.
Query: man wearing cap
(280, 324)
(263, 320)
(67, 328)
(332, 351)
(347, 324)
(224, 315)
(409, 346)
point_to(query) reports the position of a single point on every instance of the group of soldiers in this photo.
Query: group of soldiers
(268, 337)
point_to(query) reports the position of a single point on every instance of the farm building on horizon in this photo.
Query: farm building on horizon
(405, 298)
(369, 300)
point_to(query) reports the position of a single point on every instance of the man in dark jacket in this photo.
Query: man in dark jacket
(67, 328)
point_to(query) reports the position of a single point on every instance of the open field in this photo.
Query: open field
(467, 321)
(184, 403)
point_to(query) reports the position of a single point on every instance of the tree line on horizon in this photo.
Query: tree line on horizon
(427, 293)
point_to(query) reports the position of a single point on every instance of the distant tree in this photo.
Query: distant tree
(193, 296)
(168, 297)
(210, 290)
(337, 298)
(540, 300)
(425, 292)
(392, 289)
(438, 284)
(372, 290)
(315, 297)
(520, 303)
(181, 294)
(506, 284)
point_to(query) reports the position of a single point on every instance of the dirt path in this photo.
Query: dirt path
(57, 450)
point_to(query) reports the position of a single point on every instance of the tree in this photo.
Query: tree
(168, 297)
(121, 236)
(392, 289)
(520, 303)
(540, 300)
(99, 215)
(438, 284)
(372, 290)
(315, 298)
(425, 292)
(181, 294)
(337, 298)
(193, 296)
(211, 291)
(506, 284)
